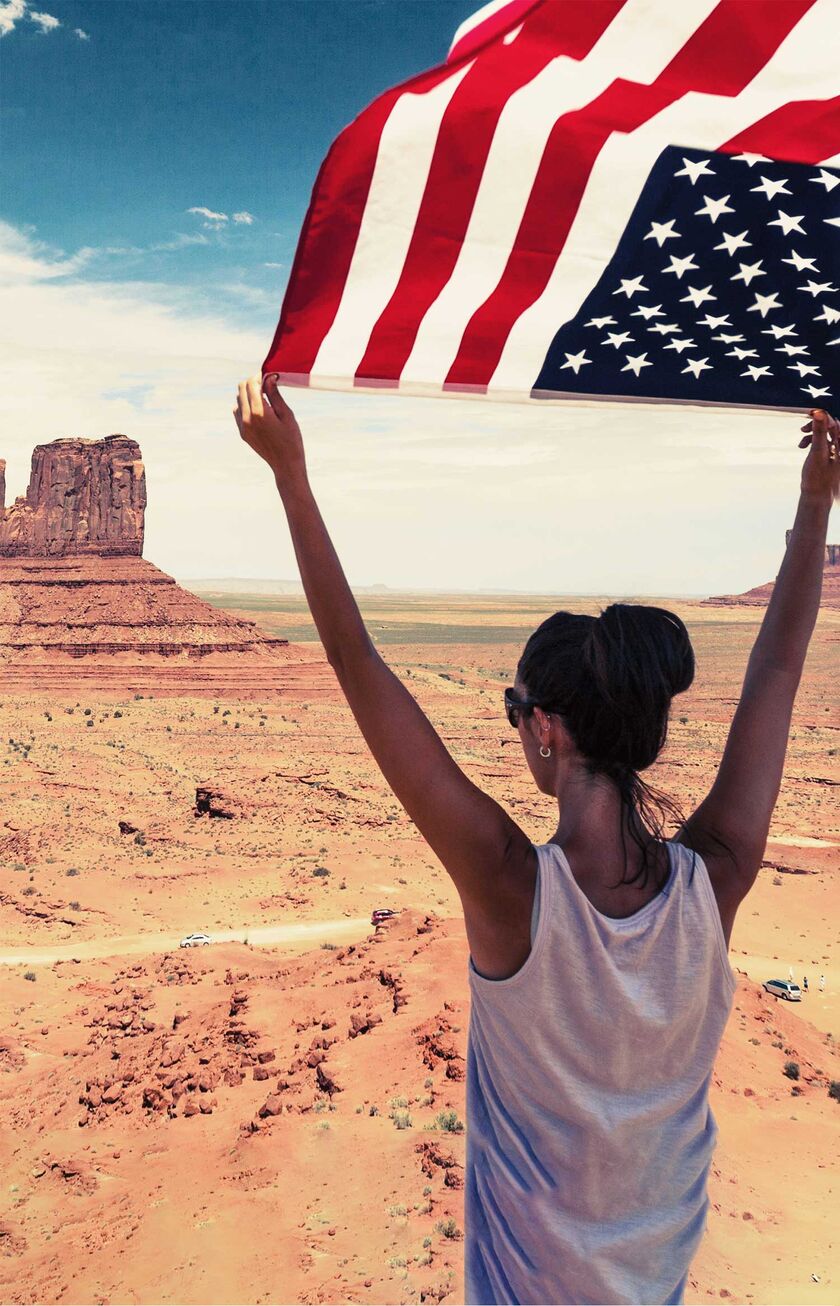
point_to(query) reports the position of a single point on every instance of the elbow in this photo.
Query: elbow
(346, 659)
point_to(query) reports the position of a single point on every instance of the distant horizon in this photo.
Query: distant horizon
(378, 587)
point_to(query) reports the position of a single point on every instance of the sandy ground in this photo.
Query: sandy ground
(272, 1121)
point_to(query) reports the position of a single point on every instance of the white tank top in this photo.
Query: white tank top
(589, 1132)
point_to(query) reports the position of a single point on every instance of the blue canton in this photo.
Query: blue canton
(724, 289)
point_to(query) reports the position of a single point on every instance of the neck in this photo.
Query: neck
(589, 826)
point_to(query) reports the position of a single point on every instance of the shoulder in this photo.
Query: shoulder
(498, 923)
(729, 885)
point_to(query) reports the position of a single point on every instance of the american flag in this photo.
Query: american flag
(590, 198)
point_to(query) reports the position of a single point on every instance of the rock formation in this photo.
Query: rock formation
(759, 597)
(77, 600)
(84, 496)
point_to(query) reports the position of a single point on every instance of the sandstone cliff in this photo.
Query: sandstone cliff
(759, 597)
(84, 497)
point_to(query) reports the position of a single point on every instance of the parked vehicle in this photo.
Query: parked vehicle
(784, 989)
(195, 941)
(381, 914)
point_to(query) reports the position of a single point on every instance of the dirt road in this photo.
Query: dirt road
(307, 935)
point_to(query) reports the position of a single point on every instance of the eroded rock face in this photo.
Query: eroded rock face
(84, 497)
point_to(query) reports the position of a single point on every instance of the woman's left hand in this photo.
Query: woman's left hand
(268, 425)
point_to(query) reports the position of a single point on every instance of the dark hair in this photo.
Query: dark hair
(611, 680)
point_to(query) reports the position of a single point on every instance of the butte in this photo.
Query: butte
(760, 596)
(80, 605)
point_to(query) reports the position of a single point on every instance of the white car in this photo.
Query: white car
(784, 989)
(195, 941)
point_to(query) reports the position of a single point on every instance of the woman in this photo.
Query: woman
(598, 961)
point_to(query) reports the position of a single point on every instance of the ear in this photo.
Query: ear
(543, 721)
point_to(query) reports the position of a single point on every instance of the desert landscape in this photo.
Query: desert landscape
(278, 1116)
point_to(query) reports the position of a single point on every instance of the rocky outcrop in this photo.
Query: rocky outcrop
(759, 597)
(84, 497)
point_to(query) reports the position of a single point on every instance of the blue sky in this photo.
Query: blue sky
(161, 107)
(125, 311)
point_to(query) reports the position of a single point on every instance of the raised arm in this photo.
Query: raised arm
(477, 842)
(731, 825)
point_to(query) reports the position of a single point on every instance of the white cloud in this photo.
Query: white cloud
(274, 265)
(213, 220)
(10, 13)
(46, 22)
(245, 218)
(446, 492)
(81, 33)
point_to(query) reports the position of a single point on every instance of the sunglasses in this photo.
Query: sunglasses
(515, 706)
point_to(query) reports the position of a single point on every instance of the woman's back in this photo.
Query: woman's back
(587, 1094)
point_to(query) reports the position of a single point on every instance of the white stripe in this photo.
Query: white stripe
(486, 11)
(701, 121)
(399, 178)
(645, 35)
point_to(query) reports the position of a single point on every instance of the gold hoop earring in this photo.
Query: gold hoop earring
(545, 752)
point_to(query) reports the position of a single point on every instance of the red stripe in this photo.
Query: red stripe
(330, 231)
(720, 58)
(495, 26)
(463, 144)
(805, 131)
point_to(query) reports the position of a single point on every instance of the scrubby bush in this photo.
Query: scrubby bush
(448, 1121)
(791, 1069)
(401, 1119)
(30, 975)
(320, 871)
(75, 906)
(448, 1228)
(834, 1089)
(72, 871)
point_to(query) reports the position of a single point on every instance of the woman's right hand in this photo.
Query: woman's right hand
(821, 472)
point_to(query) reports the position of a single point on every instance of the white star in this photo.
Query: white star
(731, 243)
(832, 222)
(680, 345)
(695, 169)
(787, 223)
(697, 365)
(647, 312)
(713, 208)
(664, 328)
(819, 288)
(771, 188)
(635, 363)
(804, 369)
(681, 265)
(601, 322)
(755, 372)
(780, 332)
(575, 361)
(792, 350)
(814, 391)
(749, 271)
(662, 231)
(829, 315)
(750, 159)
(741, 354)
(833, 342)
(801, 264)
(827, 179)
(714, 322)
(629, 287)
(698, 297)
(616, 338)
(727, 339)
(764, 303)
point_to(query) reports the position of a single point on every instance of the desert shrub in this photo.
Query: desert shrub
(397, 1262)
(777, 1043)
(427, 1190)
(320, 871)
(75, 906)
(374, 1111)
(791, 1069)
(448, 1121)
(398, 1210)
(87, 711)
(117, 713)
(28, 891)
(399, 1101)
(29, 975)
(756, 1041)
(448, 1228)
(834, 1089)
(427, 1242)
(73, 870)
(401, 1119)
(140, 838)
(425, 1259)
(777, 879)
(329, 947)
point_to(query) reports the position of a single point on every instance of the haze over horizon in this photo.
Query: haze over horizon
(162, 170)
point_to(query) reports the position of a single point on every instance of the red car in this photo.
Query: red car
(381, 914)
